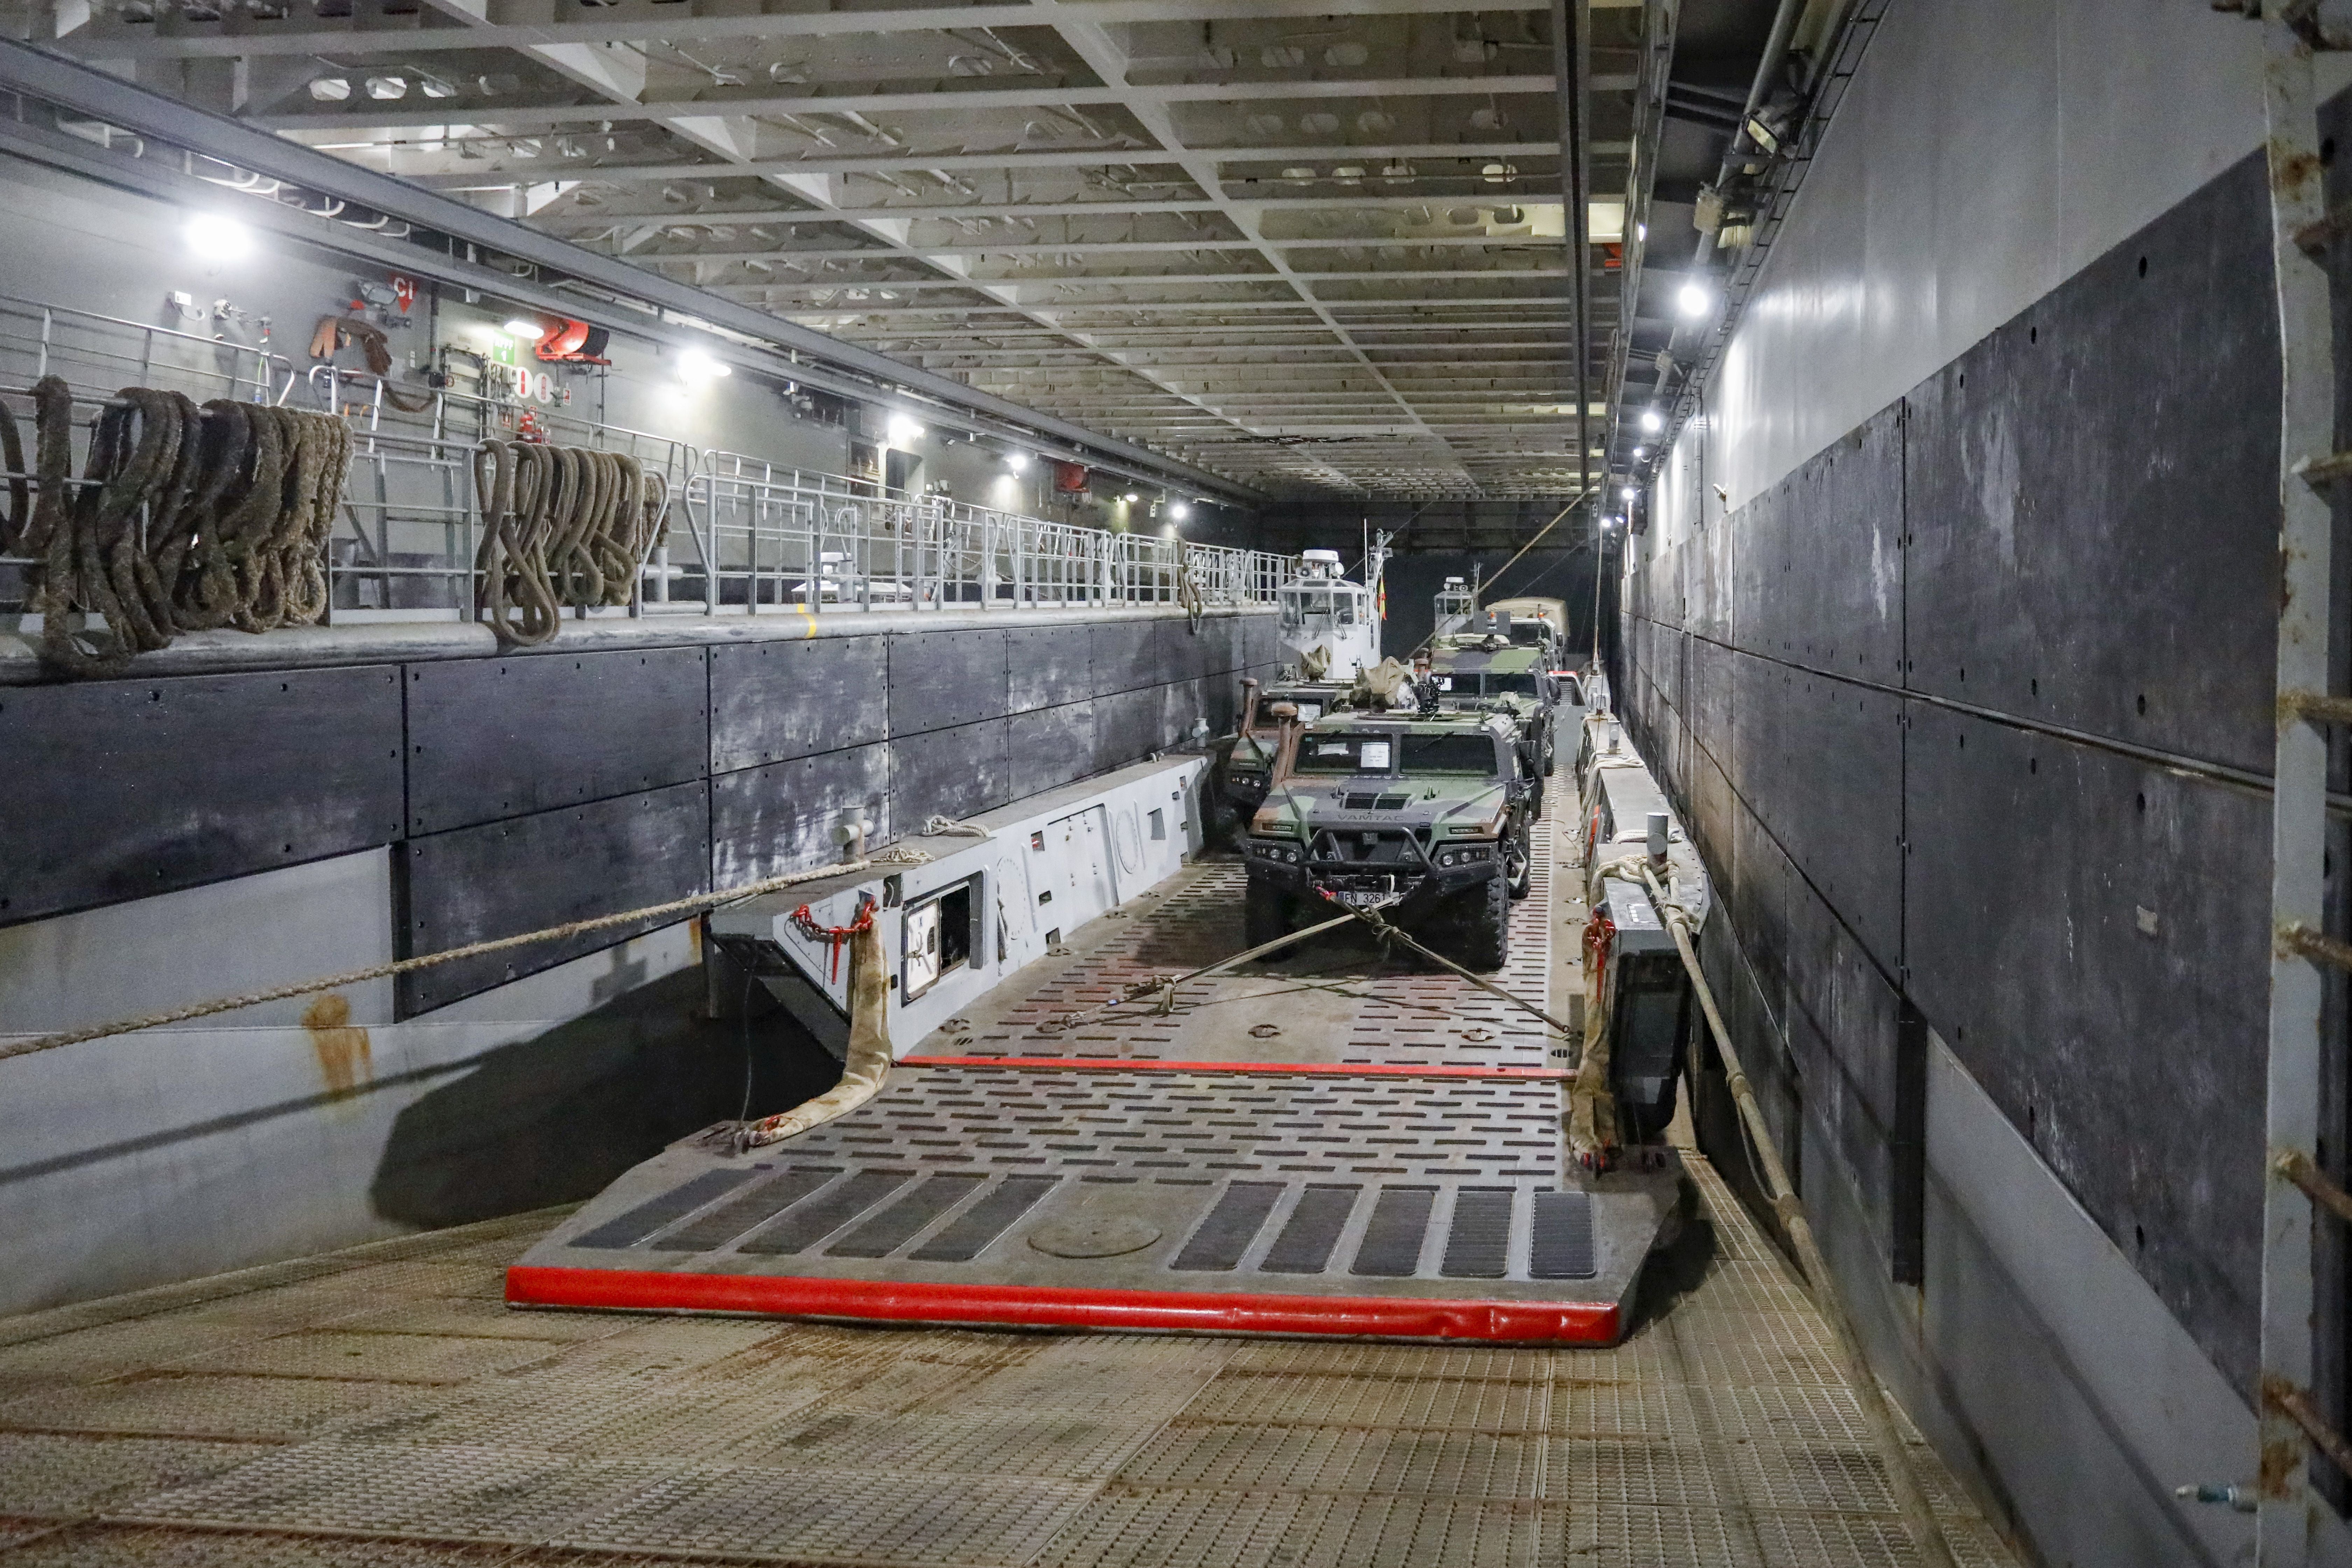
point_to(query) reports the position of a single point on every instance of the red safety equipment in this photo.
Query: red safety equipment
(836, 938)
(573, 343)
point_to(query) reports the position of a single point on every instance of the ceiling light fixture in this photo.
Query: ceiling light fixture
(696, 366)
(525, 329)
(217, 238)
(1017, 461)
(903, 431)
(1652, 421)
(1693, 300)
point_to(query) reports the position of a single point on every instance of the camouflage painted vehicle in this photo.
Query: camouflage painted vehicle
(1424, 814)
(1250, 764)
(1495, 675)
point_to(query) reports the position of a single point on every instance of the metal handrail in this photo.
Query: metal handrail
(743, 534)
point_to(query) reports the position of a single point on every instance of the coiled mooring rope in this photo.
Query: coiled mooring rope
(183, 519)
(561, 526)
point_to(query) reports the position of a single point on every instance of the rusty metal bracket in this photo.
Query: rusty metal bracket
(2299, 1168)
(2298, 939)
(2293, 1403)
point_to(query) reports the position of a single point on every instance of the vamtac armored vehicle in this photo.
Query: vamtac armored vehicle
(1250, 764)
(1423, 815)
(1493, 674)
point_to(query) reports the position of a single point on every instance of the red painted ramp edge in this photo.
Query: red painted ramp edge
(901, 1301)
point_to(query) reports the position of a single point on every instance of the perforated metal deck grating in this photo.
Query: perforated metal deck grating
(1718, 1433)
(1385, 1159)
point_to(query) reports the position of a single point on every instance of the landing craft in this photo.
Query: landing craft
(1331, 626)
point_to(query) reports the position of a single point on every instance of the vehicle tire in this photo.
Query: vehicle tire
(1486, 935)
(1519, 876)
(1265, 914)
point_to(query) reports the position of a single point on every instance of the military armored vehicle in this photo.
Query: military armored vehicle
(1250, 764)
(1490, 674)
(1535, 623)
(1424, 814)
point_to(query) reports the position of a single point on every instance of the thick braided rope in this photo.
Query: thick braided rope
(40, 1043)
(185, 520)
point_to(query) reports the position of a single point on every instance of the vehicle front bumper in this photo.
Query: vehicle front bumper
(1409, 890)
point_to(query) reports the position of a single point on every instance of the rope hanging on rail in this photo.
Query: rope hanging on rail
(183, 519)
(561, 526)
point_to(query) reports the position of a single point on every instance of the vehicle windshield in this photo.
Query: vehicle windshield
(1520, 685)
(1346, 754)
(1468, 757)
(1298, 605)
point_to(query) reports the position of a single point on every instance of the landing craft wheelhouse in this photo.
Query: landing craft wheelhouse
(1330, 624)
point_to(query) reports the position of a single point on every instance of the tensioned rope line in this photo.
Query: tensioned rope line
(894, 855)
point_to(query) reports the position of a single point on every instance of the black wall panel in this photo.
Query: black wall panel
(1124, 655)
(1839, 812)
(771, 820)
(1757, 565)
(499, 878)
(2089, 938)
(1708, 697)
(1707, 610)
(1758, 902)
(492, 738)
(1708, 818)
(771, 701)
(941, 679)
(949, 772)
(1839, 601)
(1845, 1023)
(1127, 725)
(120, 789)
(2095, 521)
(1264, 640)
(1048, 665)
(1048, 747)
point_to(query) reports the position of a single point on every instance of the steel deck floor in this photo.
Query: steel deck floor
(1344, 1141)
(380, 1406)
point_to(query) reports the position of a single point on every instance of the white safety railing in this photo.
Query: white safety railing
(753, 536)
(740, 535)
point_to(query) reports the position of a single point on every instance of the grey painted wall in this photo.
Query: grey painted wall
(180, 837)
(1952, 632)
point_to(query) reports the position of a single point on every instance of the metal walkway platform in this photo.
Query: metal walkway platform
(1342, 1142)
(380, 1408)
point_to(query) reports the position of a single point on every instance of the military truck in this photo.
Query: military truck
(1493, 674)
(1249, 767)
(1535, 623)
(1424, 814)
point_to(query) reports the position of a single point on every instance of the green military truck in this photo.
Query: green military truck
(1424, 815)
(1492, 675)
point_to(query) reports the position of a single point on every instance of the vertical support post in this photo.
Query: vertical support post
(2285, 1503)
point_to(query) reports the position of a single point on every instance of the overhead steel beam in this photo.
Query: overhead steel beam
(301, 38)
(85, 91)
(963, 100)
(1010, 160)
(579, 219)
